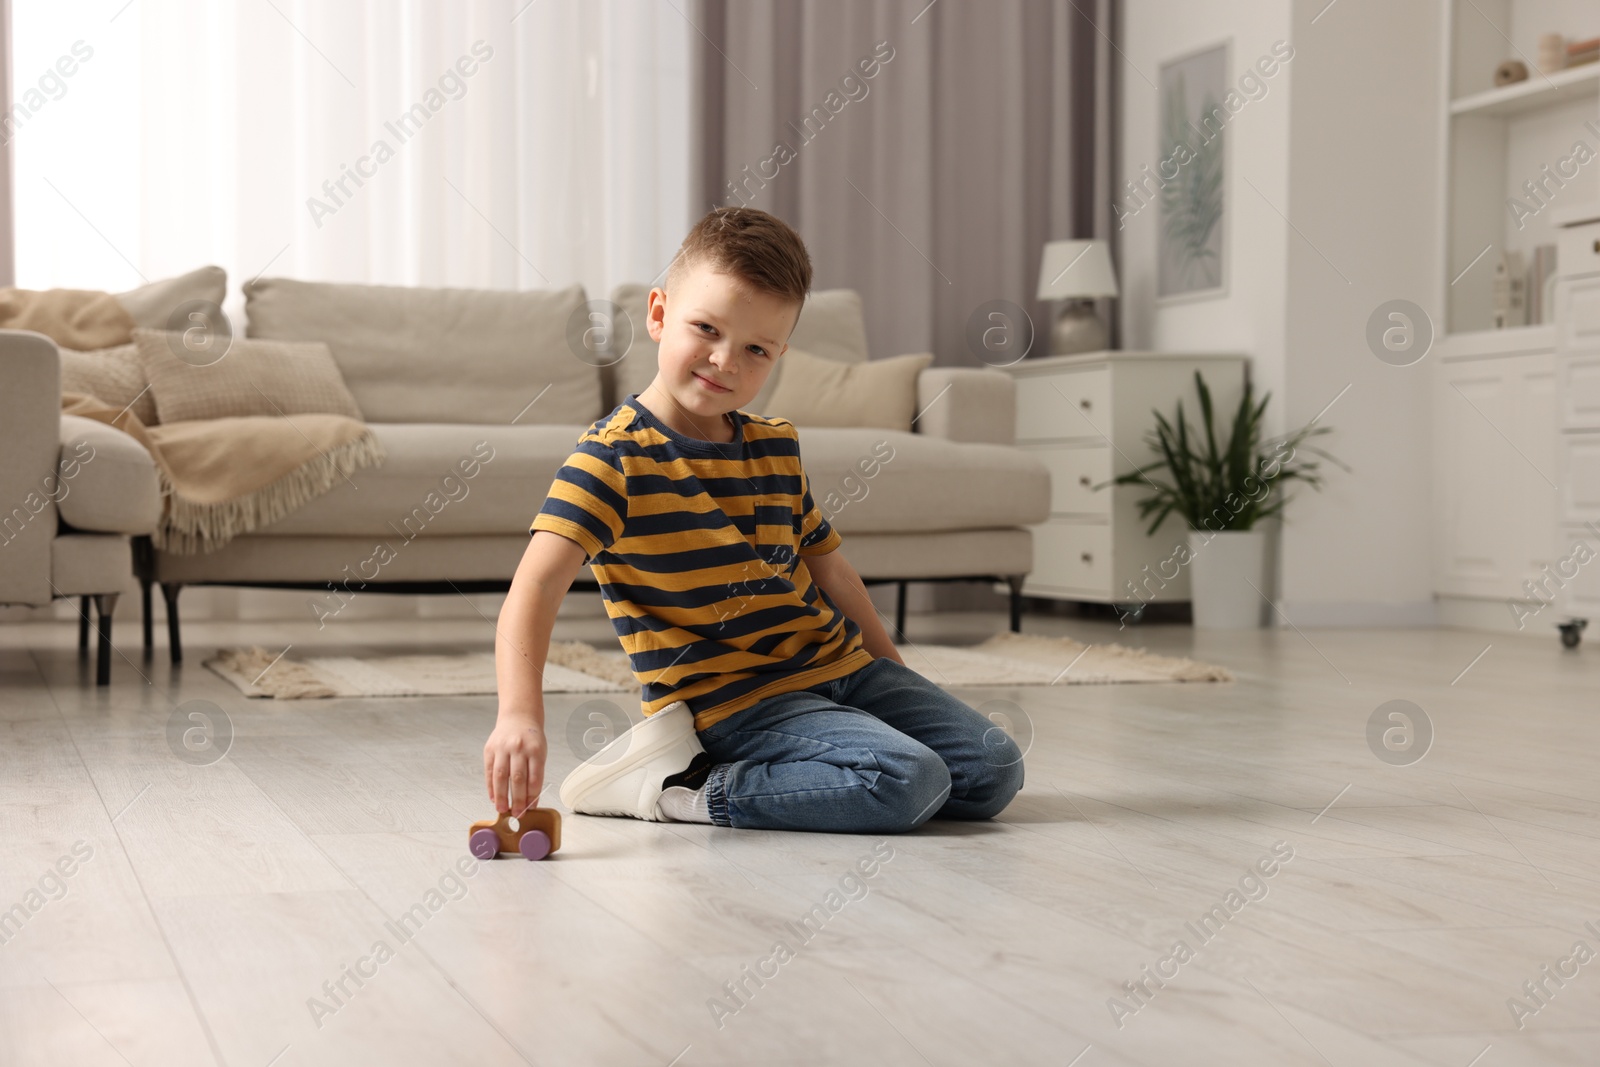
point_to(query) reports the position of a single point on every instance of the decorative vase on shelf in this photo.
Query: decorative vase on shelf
(1552, 52)
(1510, 72)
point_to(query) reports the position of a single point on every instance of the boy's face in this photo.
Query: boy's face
(715, 331)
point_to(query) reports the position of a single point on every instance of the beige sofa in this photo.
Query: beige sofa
(76, 495)
(479, 396)
(75, 491)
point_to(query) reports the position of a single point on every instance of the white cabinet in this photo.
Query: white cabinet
(1576, 575)
(1496, 499)
(1086, 417)
(1517, 448)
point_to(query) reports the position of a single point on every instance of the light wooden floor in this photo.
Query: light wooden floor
(219, 898)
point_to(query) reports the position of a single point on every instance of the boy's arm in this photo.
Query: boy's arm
(513, 757)
(844, 587)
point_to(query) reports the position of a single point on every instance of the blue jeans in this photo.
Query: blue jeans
(880, 750)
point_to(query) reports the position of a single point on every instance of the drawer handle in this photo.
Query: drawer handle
(1085, 405)
(1084, 480)
(1597, 246)
(1088, 557)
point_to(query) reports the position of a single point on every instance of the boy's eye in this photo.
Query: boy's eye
(754, 348)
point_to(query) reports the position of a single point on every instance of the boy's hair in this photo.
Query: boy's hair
(760, 249)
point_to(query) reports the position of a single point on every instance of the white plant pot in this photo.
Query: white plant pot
(1222, 568)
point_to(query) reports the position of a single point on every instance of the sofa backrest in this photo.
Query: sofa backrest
(411, 354)
(830, 326)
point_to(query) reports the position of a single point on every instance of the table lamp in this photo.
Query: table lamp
(1078, 272)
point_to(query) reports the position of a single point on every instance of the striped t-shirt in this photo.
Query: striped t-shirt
(697, 547)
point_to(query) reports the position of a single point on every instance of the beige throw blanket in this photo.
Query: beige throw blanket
(81, 319)
(219, 477)
(225, 477)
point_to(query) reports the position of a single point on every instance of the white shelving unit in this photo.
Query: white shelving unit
(1538, 92)
(1499, 451)
(1498, 139)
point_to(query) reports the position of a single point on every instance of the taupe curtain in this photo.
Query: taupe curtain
(8, 256)
(984, 130)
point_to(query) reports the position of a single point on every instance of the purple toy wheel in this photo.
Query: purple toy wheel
(535, 845)
(485, 844)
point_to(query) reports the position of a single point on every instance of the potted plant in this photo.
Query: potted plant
(1223, 494)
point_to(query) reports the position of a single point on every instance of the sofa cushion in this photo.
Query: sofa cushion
(825, 392)
(441, 479)
(254, 377)
(425, 488)
(940, 553)
(889, 481)
(152, 305)
(416, 355)
(105, 480)
(830, 326)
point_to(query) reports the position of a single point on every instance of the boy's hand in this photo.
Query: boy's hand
(513, 763)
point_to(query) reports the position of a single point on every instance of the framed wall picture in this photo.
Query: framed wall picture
(1191, 243)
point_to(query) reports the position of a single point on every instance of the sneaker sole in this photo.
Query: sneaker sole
(626, 756)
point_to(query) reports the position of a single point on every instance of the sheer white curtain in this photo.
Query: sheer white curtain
(487, 143)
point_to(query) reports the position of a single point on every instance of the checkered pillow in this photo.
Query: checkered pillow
(114, 375)
(253, 377)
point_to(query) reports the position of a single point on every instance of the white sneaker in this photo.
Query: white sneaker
(624, 778)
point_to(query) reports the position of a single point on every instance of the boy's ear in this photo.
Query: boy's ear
(655, 315)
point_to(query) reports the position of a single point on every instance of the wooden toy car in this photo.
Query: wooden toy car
(537, 834)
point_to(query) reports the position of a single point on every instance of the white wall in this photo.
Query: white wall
(1331, 212)
(1250, 318)
(1363, 147)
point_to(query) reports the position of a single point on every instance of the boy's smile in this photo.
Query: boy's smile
(719, 340)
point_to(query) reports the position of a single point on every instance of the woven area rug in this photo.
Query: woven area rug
(575, 667)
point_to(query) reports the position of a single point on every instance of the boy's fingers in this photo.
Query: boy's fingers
(501, 769)
(519, 784)
(530, 793)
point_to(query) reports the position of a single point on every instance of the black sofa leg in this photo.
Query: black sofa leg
(900, 609)
(144, 570)
(83, 625)
(1015, 582)
(169, 592)
(104, 605)
(147, 616)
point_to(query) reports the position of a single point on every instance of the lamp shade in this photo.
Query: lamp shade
(1076, 270)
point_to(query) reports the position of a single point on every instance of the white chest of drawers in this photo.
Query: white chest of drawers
(1086, 417)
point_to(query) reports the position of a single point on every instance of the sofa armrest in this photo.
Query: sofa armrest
(967, 404)
(30, 426)
(107, 479)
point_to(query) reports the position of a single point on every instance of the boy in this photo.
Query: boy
(773, 697)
